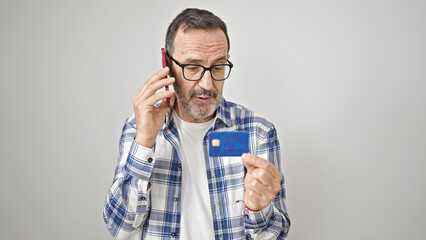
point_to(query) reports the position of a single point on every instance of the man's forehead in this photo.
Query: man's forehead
(212, 40)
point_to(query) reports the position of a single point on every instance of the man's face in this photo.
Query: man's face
(197, 101)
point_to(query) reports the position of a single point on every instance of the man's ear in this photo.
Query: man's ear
(168, 62)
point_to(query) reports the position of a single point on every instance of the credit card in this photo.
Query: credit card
(229, 144)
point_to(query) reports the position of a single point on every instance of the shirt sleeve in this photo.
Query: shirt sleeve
(273, 221)
(128, 201)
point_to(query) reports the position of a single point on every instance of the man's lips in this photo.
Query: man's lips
(203, 98)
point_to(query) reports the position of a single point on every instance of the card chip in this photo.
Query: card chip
(215, 142)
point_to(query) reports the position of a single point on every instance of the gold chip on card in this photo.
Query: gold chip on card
(215, 142)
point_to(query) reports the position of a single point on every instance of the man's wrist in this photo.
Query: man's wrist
(145, 142)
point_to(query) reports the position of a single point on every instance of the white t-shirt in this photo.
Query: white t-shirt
(196, 218)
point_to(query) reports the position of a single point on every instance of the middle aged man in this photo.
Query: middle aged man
(166, 185)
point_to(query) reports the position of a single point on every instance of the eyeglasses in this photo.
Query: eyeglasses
(194, 72)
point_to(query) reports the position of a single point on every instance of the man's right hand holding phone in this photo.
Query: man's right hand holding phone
(150, 118)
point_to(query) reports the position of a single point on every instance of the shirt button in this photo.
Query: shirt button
(149, 160)
(143, 198)
(175, 199)
(180, 165)
(174, 234)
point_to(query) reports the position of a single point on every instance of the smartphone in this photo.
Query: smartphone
(163, 56)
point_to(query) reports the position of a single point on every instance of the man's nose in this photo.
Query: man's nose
(206, 81)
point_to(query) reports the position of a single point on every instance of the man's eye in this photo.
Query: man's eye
(218, 68)
(192, 68)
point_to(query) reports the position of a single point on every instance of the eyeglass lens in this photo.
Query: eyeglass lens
(195, 72)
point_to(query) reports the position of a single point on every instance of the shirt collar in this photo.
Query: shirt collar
(224, 113)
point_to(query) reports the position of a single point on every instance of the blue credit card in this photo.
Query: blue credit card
(230, 144)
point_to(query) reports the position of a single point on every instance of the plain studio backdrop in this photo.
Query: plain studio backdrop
(343, 81)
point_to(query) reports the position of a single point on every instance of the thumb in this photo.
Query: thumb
(246, 163)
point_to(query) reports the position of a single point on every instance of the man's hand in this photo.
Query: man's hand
(150, 119)
(262, 183)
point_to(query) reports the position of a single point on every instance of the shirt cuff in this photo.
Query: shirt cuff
(140, 162)
(256, 220)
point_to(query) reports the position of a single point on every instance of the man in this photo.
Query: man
(165, 185)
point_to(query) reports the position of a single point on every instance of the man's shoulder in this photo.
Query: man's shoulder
(247, 119)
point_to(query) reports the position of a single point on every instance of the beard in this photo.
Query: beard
(197, 110)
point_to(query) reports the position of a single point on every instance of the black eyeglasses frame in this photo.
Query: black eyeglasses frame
(230, 64)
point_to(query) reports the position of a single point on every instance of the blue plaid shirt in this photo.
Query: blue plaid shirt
(144, 199)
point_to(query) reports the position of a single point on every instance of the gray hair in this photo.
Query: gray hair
(193, 18)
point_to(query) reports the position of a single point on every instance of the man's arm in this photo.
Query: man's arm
(266, 216)
(128, 201)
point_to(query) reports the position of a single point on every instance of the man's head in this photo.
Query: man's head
(197, 37)
(193, 18)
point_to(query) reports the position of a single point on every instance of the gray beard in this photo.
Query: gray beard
(190, 107)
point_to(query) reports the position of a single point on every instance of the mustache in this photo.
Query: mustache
(204, 92)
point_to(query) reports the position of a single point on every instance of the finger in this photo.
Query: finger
(154, 99)
(172, 100)
(151, 88)
(254, 184)
(148, 105)
(163, 105)
(252, 161)
(260, 189)
(148, 92)
(252, 200)
(264, 177)
(160, 75)
(255, 201)
(272, 184)
(250, 167)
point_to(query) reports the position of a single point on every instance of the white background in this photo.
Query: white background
(343, 81)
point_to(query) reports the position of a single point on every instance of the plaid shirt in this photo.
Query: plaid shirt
(135, 210)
